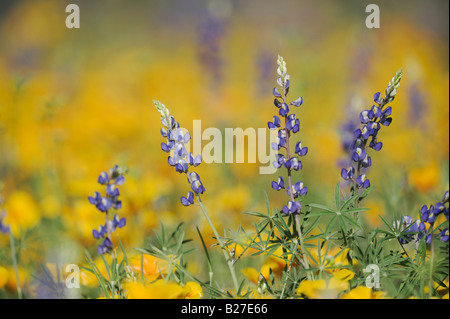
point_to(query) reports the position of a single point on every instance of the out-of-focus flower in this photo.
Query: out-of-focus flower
(362, 292)
(322, 289)
(273, 263)
(211, 32)
(252, 274)
(331, 258)
(24, 278)
(347, 130)
(3, 276)
(264, 64)
(22, 211)
(442, 290)
(344, 274)
(153, 267)
(194, 290)
(376, 209)
(235, 199)
(88, 279)
(51, 207)
(425, 178)
(156, 290)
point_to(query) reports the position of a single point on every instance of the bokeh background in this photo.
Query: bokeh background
(75, 102)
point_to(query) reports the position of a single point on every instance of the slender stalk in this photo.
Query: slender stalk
(404, 250)
(302, 246)
(14, 260)
(108, 229)
(431, 284)
(221, 244)
(288, 271)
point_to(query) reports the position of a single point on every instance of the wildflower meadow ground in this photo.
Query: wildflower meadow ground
(220, 149)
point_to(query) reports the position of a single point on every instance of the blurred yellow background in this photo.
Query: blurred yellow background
(75, 102)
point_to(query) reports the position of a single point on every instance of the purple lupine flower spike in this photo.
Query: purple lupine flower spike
(104, 204)
(179, 157)
(290, 161)
(367, 136)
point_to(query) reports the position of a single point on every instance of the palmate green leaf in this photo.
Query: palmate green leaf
(366, 192)
(349, 201)
(272, 281)
(310, 227)
(256, 214)
(351, 221)
(342, 223)
(356, 210)
(123, 250)
(387, 225)
(282, 228)
(323, 207)
(381, 231)
(257, 236)
(175, 232)
(330, 224)
(271, 250)
(321, 213)
(241, 286)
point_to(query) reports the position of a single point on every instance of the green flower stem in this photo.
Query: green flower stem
(222, 246)
(431, 284)
(14, 260)
(302, 246)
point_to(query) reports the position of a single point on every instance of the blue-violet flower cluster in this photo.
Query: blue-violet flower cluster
(367, 136)
(179, 158)
(290, 125)
(416, 230)
(430, 214)
(104, 204)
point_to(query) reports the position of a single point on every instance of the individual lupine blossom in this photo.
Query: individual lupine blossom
(291, 125)
(431, 213)
(367, 136)
(104, 204)
(179, 158)
(3, 228)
